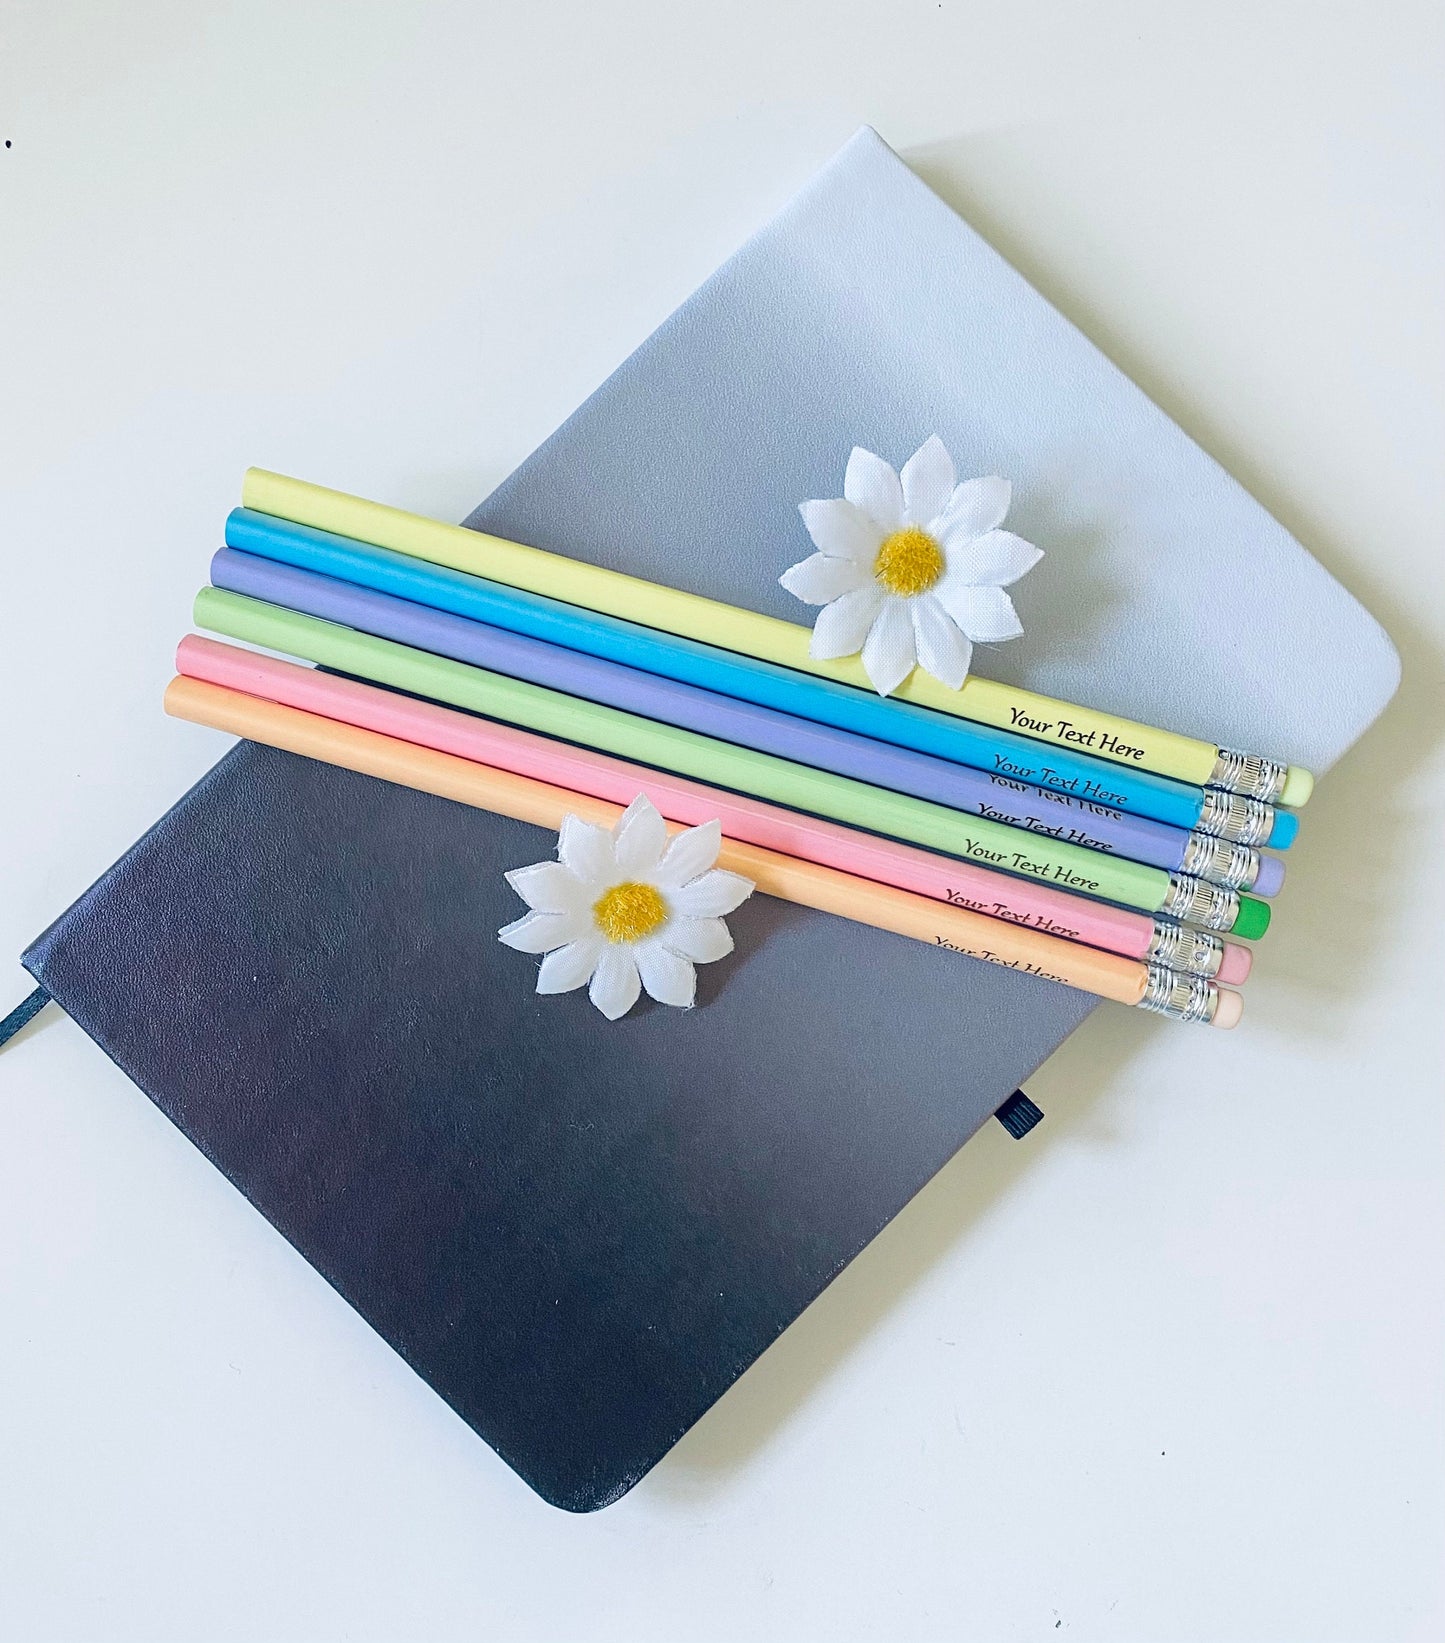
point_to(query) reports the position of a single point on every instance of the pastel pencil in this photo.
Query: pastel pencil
(984, 747)
(1018, 901)
(976, 792)
(1066, 866)
(675, 610)
(955, 929)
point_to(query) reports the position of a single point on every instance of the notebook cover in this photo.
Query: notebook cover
(580, 1233)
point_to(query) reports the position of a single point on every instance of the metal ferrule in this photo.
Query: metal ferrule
(1221, 862)
(1232, 816)
(1247, 773)
(1181, 998)
(1192, 901)
(1191, 952)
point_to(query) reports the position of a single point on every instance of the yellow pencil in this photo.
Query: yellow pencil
(1080, 729)
(1107, 975)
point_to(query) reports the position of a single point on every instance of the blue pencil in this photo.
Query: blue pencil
(981, 747)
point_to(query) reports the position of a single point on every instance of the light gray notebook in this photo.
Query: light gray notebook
(581, 1233)
(868, 313)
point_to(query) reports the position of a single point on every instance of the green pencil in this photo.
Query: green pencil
(992, 844)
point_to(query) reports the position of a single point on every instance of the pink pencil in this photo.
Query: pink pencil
(425, 724)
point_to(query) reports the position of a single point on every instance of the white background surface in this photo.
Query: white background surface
(1171, 1369)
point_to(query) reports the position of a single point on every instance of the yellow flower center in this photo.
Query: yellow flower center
(628, 912)
(909, 562)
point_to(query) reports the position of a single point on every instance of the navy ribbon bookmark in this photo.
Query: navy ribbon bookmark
(23, 1012)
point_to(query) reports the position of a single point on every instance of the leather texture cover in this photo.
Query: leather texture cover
(580, 1233)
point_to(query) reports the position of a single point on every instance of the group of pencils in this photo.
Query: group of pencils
(1068, 843)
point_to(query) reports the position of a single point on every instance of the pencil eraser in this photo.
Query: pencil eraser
(1298, 785)
(1252, 919)
(1228, 1010)
(1286, 827)
(1235, 965)
(1270, 876)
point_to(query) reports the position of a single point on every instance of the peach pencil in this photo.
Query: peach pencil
(751, 821)
(954, 929)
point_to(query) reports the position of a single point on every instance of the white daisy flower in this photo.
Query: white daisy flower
(623, 910)
(911, 567)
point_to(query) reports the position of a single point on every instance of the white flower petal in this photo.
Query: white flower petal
(539, 932)
(712, 895)
(842, 626)
(986, 615)
(703, 940)
(667, 976)
(994, 559)
(548, 887)
(569, 967)
(821, 578)
(942, 649)
(840, 529)
(869, 483)
(586, 851)
(689, 854)
(888, 652)
(978, 505)
(615, 981)
(638, 838)
(928, 480)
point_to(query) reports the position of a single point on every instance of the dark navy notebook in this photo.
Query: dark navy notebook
(580, 1233)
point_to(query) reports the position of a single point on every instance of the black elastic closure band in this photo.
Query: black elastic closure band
(26, 1011)
(1018, 1115)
